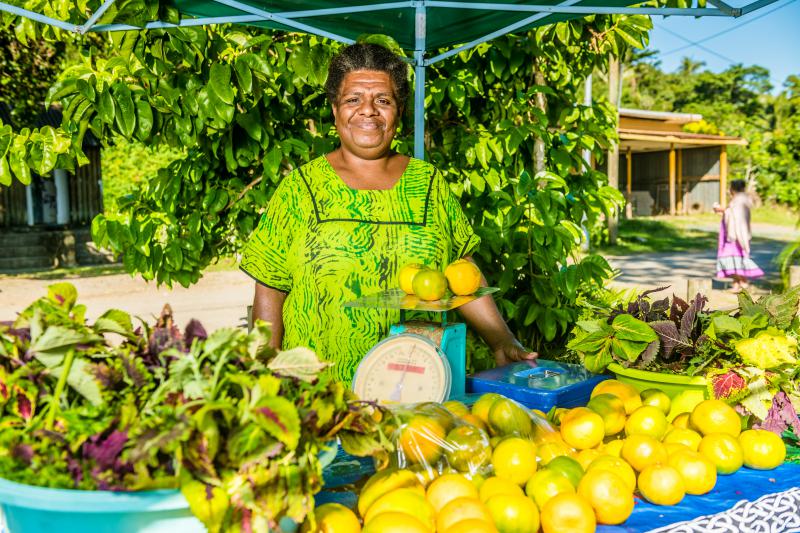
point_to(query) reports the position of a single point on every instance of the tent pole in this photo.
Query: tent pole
(420, 30)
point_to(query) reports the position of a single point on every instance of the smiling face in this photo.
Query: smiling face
(366, 113)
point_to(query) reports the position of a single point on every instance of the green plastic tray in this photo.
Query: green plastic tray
(684, 391)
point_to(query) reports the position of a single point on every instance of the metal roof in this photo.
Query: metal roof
(428, 28)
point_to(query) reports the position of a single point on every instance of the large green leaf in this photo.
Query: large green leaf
(629, 328)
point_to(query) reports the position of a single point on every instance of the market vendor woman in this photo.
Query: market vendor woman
(343, 225)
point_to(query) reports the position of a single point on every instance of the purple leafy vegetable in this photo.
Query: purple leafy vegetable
(781, 416)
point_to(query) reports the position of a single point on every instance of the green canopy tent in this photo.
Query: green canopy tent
(431, 29)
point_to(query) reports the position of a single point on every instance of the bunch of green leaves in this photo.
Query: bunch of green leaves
(246, 106)
(623, 339)
(236, 427)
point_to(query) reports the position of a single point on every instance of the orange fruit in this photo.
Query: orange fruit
(641, 451)
(467, 448)
(545, 484)
(550, 450)
(475, 421)
(674, 447)
(614, 447)
(407, 501)
(334, 518)
(384, 482)
(585, 457)
(715, 416)
(394, 522)
(616, 465)
(463, 277)
(611, 409)
(507, 417)
(647, 420)
(609, 495)
(681, 421)
(568, 513)
(471, 525)
(407, 274)
(656, 398)
(421, 438)
(698, 473)
(460, 509)
(724, 452)
(513, 513)
(582, 428)
(498, 485)
(661, 485)
(481, 407)
(688, 437)
(437, 412)
(448, 487)
(762, 449)
(456, 407)
(425, 474)
(515, 459)
(627, 393)
(568, 467)
(429, 285)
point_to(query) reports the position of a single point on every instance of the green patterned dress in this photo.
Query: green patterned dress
(325, 244)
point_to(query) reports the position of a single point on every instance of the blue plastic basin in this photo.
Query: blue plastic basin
(30, 509)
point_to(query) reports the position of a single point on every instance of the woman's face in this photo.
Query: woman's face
(366, 113)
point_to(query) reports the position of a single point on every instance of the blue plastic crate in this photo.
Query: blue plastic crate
(539, 384)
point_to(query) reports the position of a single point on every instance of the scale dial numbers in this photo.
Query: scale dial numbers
(404, 368)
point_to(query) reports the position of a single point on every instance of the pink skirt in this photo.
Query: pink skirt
(732, 261)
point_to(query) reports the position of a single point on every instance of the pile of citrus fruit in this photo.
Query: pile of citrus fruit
(498, 467)
(462, 277)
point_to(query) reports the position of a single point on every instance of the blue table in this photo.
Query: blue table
(768, 501)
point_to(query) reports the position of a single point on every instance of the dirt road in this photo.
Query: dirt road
(219, 299)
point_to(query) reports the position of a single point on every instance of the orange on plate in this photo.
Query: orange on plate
(463, 277)
(616, 465)
(546, 484)
(429, 285)
(698, 473)
(406, 276)
(647, 420)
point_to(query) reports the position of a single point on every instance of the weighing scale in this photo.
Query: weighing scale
(418, 361)
(426, 361)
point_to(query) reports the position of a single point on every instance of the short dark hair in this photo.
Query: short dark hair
(367, 56)
(738, 185)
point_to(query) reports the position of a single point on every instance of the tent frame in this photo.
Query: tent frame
(292, 19)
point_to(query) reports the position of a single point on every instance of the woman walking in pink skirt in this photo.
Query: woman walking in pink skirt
(733, 248)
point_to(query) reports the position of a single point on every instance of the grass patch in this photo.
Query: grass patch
(777, 215)
(647, 235)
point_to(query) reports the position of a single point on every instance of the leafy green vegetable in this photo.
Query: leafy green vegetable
(768, 350)
(105, 406)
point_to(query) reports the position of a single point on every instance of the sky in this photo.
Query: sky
(769, 37)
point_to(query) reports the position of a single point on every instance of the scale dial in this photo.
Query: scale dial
(403, 368)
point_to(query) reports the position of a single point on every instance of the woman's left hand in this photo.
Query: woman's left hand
(511, 352)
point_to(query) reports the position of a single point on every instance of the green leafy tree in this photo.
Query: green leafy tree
(247, 106)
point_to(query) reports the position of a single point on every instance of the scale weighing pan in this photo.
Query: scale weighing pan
(541, 384)
(397, 299)
(418, 361)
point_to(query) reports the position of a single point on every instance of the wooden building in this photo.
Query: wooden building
(47, 223)
(664, 169)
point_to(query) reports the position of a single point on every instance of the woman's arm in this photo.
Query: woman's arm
(268, 306)
(484, 318)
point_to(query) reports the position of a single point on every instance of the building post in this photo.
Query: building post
(672, 179)
(62, 196)
(629, 182)
(723, 176)
(680, 182)
(29, 204)
(613, 151)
